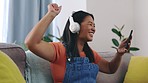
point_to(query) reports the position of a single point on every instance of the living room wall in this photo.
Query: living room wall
(68, 6)
(108, 13)
(141, 25)
(132, 13)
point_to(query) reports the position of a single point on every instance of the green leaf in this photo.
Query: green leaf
(115, 42)
(114, 47)
(24, 47)
(122, 27)
(47, 39)
(117, 27)
(50, 35)
(120, 35)
(116, 31)
(134, 49)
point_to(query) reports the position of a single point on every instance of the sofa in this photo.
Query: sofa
(37, 70)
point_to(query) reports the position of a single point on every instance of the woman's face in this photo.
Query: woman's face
(87, 29)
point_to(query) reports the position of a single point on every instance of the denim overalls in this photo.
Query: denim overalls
(80, 70)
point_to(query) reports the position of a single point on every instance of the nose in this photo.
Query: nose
(93, 29)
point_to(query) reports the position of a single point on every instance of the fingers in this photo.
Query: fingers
(125, 40)
(124, 46)
(122, 50)
(56, 7)
(125, 43)
(59, 8)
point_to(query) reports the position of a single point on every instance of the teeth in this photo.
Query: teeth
(91, 33)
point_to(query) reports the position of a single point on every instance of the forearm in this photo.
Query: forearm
(38, 31)
(115, 62)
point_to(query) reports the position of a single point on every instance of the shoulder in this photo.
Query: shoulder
(96, 56)
(57, 44)
(59, 51)
(94, 52)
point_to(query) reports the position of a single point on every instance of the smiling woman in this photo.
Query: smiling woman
(72, 60)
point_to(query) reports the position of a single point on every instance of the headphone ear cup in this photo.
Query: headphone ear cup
(74, 26)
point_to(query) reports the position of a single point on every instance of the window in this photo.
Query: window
(3, 19)
(56, 29)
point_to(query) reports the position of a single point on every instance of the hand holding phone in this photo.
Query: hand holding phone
(128, 40)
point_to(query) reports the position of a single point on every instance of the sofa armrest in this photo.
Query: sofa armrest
(16, 53)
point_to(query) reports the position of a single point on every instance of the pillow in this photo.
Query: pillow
(9, 72)
(137, 70)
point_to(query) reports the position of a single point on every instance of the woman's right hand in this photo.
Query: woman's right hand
(54, 8)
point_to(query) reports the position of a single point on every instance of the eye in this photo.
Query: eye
(93, 25)
(90, 24)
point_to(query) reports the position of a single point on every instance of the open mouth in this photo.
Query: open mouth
(91, 34)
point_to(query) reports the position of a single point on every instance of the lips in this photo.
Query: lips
(91, 34)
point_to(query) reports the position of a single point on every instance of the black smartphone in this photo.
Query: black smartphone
(128, 40)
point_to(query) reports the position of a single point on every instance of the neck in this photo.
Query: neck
(80, 45)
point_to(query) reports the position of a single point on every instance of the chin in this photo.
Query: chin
(90, 40)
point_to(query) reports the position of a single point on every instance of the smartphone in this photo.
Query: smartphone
(128, 40)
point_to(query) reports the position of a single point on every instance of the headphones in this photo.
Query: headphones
(74, 27)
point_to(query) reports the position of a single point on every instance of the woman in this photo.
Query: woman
(72, 60)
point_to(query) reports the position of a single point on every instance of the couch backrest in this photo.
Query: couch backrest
(16, 53)
(37, 69)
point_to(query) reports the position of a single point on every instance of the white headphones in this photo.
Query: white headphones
(74, 26)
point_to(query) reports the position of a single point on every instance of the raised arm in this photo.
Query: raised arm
(112, 66)
(34, 39)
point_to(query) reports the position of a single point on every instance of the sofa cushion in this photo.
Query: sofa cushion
(137, 70)
(118, 76)
(38, 69)
(16, 53)
(9, 72)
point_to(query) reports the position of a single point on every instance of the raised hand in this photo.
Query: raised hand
(54, 8)
(121, 49)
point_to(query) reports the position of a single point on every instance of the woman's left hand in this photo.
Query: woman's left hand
(121, 49)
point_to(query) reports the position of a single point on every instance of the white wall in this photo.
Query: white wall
(107, 14)
(141, 25)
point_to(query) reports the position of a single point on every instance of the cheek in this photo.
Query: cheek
(83, 31)
(84, 28)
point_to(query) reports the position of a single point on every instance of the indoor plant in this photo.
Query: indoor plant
(118, 32)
